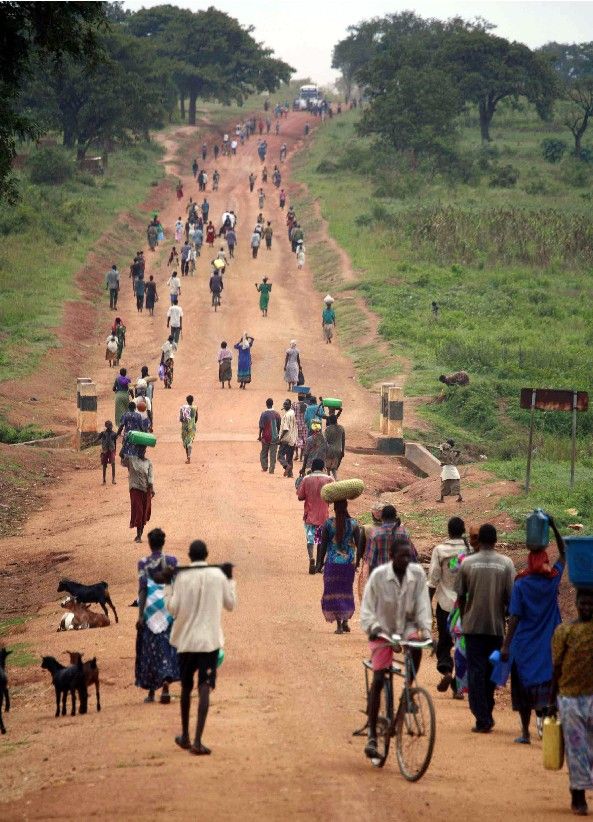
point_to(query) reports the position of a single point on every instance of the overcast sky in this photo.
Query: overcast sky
(303, 32)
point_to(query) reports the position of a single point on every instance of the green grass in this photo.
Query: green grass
(10, 623)
(21, 655)
(46, 238)
(549, 490)
(510, 269)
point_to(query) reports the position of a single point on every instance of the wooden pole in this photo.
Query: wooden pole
(530, 445)
(574, 438)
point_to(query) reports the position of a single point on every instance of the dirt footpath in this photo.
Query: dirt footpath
(290, 692)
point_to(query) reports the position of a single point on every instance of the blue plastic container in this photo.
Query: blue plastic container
(579, 556)
(537, 526)
(500, 670)
(301, 389)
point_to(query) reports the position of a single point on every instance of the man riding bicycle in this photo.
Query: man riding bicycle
(395, 601)
(216, 287)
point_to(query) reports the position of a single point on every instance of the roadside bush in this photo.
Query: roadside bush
(553, 150)
(52, 164)
(363, 220)
(503, 177)
(327, 167)
(576, 173)
(536, 186)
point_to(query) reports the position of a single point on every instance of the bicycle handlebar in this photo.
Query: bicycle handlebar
(396, 639)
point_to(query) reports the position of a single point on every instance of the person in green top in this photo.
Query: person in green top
(264, 289)
(328, 322)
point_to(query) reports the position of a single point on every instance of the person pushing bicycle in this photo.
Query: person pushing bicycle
(395, 601)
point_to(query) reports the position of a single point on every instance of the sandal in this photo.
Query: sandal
(183, 743)
(165, 699)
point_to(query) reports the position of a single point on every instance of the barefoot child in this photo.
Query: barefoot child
(108, 440)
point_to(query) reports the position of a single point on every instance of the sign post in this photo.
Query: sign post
(549, 399)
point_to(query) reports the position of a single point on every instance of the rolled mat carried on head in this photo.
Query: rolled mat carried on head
(141, 438)
(342, 489)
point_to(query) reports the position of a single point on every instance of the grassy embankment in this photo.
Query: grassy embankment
(46, 237)
(45, 240)
(509, 267)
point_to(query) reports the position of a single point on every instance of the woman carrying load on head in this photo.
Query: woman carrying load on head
(292, 365)
(339, 539)
(156, 659)
(244, 359)
(534, 616)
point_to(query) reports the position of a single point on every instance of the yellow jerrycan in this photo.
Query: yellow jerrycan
(553, 744)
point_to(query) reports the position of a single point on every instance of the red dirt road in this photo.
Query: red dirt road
(290, 691)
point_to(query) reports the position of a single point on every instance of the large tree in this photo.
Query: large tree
(488, 69)
(355, 51)
(214, 57)
(124, 93)
(56, 29)
(416, 112)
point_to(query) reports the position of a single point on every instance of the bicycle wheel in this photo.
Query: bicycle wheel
(415, 731)
(384, 724)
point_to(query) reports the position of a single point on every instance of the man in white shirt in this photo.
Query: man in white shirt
(174, 284)
(234, 145)
(442, 575)
(450, 477)
(395, 601)
(195, 601)
(288, 437)
(175, 319)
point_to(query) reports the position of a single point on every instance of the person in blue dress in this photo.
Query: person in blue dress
(244, 363)
(534, 616)
(132, 420)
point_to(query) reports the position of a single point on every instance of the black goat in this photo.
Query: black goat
(91, 672)
(4, 697)
(98, 593)
(67, 680)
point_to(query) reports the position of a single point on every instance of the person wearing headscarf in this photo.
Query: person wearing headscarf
(156, 659)
(534, 616)
(292, 365)
(339, 539)
(244, 359)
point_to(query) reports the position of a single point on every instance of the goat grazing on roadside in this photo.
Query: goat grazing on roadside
(83, 616)
(99, 593)
(67, 680)
(90, 670)
(4, 696)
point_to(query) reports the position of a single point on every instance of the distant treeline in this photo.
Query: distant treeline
(419, 75)
(99, 74)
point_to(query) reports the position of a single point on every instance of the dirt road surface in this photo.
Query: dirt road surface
(290, 691)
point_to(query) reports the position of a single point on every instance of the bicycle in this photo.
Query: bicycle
(215, 300)
(414, 722)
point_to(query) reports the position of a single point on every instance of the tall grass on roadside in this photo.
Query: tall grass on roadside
(46, 237)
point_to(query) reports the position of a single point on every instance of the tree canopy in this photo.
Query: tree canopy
(404, 57)
(213, 57)
(58, 30)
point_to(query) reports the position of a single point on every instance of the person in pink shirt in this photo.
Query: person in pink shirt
(316, 509)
